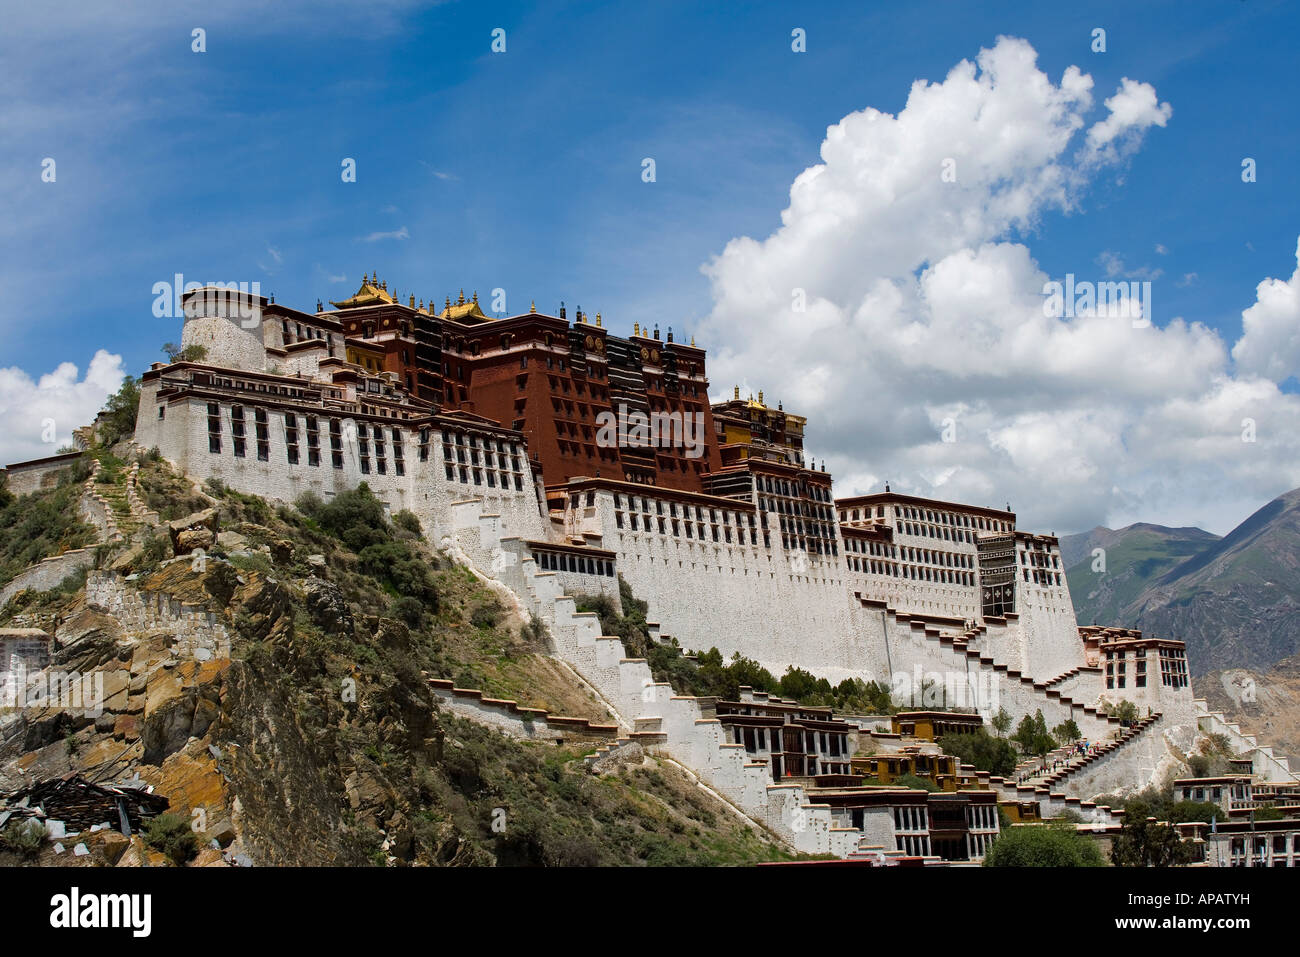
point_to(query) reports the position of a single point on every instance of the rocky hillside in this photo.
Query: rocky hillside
(1266, 704)
(267, 671)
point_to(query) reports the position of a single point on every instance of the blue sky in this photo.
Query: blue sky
(522, 170)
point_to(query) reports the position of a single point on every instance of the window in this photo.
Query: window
(237, 429)
(363, 448)
(263, 435)
(291, 437)
(336, 444)
(313, 441)
(214, 427)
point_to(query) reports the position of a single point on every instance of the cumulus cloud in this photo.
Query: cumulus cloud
(1270, 342)
(894, 301)
(37, 416)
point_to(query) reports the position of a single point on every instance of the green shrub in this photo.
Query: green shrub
(24, 838)
(982, 751)
(1038, 845)
(171, 835)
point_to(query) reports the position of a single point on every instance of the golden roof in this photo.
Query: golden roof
(372, 293)
(460, 310)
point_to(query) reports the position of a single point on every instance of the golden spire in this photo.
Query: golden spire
(737, 392)
(760, 396)
(597, 320)
(413, 300)
(636, 328)
(460, 301)
(475, 299)
(449, 302)
(692, 340)
(532, 306)
(421, 305)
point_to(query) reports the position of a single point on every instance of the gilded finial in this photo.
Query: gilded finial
(760, 396)
(413, 300)
(737, 392)
(475, 299)
(692, 340)
(598, 320)
(532, 306)
(460, 301)
(449, 302)
(636, 328)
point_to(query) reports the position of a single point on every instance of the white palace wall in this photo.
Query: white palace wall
(182, 437)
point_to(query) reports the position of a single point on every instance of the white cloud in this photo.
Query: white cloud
(395, 234)
(51, 407)
(1270, 340)
(919, 308)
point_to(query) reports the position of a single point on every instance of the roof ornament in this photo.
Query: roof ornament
(461, 300)
(886, 486)
(532, 306)
(475, 299)
(692, 340)
(636, 328)
(670, 333)
(737, 395)
(413, 300)
(597, 320)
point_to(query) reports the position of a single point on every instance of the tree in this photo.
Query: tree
(1002, 721)
(1143, 842)
(1031, 735)
(1126, 711)
(190, 353)
(120, 411)
(1067, 732)
(1043, 845)
(982, 751)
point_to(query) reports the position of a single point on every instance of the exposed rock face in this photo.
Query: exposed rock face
(327, 606)
(198, 530)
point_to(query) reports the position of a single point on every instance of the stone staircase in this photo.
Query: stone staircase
(1268, 765)
(649, 712)
(950, 652)
(1053, 775)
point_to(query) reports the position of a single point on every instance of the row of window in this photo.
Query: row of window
(780, 486)
(578, 564)
(943, 576)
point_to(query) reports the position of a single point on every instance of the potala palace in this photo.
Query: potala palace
(494, 433)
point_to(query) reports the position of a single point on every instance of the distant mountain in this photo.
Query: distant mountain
(1237, 601)
(1135, 557)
